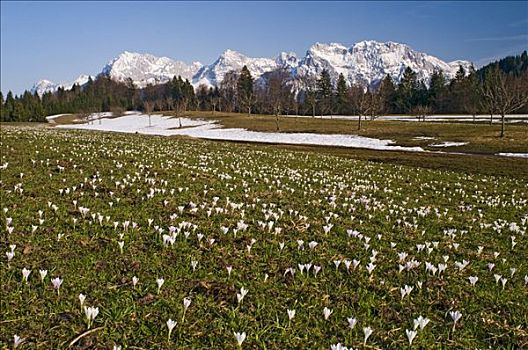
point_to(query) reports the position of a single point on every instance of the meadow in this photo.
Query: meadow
(124, 241)
(475, 138)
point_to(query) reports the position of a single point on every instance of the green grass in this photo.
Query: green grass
(478, 164)
(147, 177)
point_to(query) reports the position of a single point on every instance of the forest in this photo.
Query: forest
(499, 88)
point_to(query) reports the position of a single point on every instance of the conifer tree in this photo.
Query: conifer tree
(460, 74)
(9, 107)
(245, 89)
(387, 93)
(437, 91)
(324, 92)
(407, 91)
(1, 106)
(471, 94)
(342, 95)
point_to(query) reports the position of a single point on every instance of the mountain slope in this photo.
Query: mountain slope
(146, 69)
(44, 86)
(365, 63)
(368, 62)
(213, 74)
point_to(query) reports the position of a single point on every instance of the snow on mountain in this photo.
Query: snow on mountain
(287, 60)
(455, 65)
(146, 69)
(81, 80)
(213, 74)
(366, 63)
(44, 86)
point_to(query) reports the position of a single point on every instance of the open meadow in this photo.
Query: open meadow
(458, 146)
(466, 136)
(236, 175)
(147, 242)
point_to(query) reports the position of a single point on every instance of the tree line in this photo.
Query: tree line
(498, 88)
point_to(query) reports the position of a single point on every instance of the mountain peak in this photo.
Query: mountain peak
(43, 86)
(146, 69)
(287, 59)
(232, 54)
(364, 63)
(323, 47)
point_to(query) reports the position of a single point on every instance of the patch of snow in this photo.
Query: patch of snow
(510, 118)
(166, 126)
(517, 155)
(424, 138)
(51, 117)
(448, 144)
(100, 115)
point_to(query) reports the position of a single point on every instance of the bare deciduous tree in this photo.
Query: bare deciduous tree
(487, 106)
(116, 112)
(84, 116)
(309, 93)
(360, 101)
(148, 106)
(170, 103)
(421, 111)
(228, 91)
(504, 93)
(376, 105)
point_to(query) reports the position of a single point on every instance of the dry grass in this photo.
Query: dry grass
(482, 138)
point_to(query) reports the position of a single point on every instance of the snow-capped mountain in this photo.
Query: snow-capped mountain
(365, 63)
(368, 62)
(146, 69)
(44, 86)
(213, 74)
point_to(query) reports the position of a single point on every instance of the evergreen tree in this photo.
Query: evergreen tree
(407, 91)
(421, 97)
(236, 92)
(437, 92)
(19, 112)
(387, 93)
(515, 65)
(245, 89)
(202, 96)
(324, 92)
(471, 94)
(458, 90)
(460, 74)
(9, 107)
(176, 88)
(342, 95)
(2, 107)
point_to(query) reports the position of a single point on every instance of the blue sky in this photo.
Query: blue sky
(59, 41)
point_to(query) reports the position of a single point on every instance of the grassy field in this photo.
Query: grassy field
(483, 141)
(482, 138)
(99, 209)
(462, 163)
